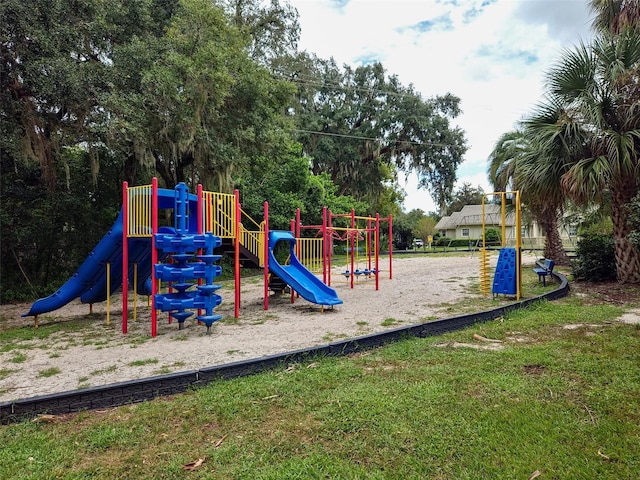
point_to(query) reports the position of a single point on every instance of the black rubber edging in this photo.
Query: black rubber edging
(135, 391)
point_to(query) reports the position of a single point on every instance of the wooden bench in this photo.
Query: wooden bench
(544, 268)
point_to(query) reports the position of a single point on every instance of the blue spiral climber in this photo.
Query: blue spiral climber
(182, 248)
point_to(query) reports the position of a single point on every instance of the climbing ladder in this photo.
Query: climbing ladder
(508, 275)
(181, 247)
(485, 278)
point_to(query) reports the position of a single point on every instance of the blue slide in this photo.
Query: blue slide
(90, 281)
(310, 287)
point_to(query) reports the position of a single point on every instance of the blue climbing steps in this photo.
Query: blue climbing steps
(504, 279)
(192, 266)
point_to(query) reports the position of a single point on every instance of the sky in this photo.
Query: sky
(492, 54)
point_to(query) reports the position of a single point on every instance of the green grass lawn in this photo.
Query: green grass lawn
(551, 403)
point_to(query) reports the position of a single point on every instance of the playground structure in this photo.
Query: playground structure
(328, 234)
(181, 247)
(507, 278)
(137, 251)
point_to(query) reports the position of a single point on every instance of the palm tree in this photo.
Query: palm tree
(518, 162)
(615, 16)
(551, 145)
(503, 160)
(597, 90)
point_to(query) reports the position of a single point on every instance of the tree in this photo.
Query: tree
(46, 234)
(118, 89)
(597, 87)
(634, 220)
(425, 228)
(403, 226)
(288, 185)
(362, 126)
(273, 28)
(551, 146)
(531, 160)
(465, 195)
(615, 16)
(584, 139)
(54, 64)
(503, 160)
(193, 103)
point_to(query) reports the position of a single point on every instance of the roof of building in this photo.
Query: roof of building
(471, 215)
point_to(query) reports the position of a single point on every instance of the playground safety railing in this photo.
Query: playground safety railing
(310, 253)
(220, 219)
(253, 241)
(139, 210)
(219, 214)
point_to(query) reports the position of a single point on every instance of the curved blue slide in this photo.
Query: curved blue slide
(310, 287)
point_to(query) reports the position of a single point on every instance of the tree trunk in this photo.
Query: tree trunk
(553, 248)
(164, 170)
(627, 255)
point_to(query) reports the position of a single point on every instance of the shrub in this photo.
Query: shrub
(595, 258)
(492, 235)
(441, 241)
(454, 242)
(460, 243)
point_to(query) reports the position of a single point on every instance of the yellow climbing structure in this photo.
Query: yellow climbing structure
(485, 268)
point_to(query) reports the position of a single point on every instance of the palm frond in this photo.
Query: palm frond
(587, 179)
(572, 77)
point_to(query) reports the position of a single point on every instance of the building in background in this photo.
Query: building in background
(467, 224)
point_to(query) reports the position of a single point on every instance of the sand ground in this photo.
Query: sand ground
(77, 350)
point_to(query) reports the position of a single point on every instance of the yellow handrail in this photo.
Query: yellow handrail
(253, 241)
(258, 225)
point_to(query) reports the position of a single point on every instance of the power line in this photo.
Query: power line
(358, 137)
(337, 86)
(320, 81)
(310, 80)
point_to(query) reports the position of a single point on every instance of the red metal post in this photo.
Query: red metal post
(329, 224)
(324, 244)
(154, 255)
(200, 211)
(293, 232)
(296, 233)
(125, 257)
(236, 260)
(353, 244)
(377, 239)
(266, 255)
(369, 241)
(390, 247)
(200, 217)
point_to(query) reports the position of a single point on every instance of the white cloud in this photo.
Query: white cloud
(492, 54)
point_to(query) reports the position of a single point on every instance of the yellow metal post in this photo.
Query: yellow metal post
(108, 294)
(518, 245)
(135, 292)
(503, 211)
(485, 281)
